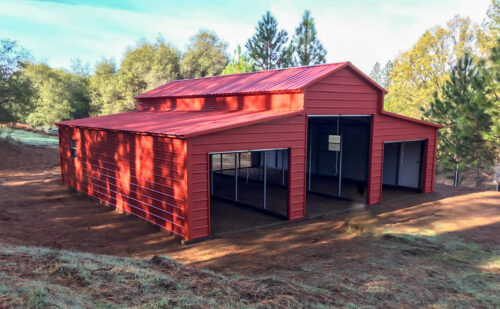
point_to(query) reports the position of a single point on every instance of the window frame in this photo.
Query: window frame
(72, 148)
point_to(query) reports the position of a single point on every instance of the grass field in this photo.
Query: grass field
(28, 137)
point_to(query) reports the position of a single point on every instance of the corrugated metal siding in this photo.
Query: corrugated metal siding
(346, 93)
(138, 174)
(341, 93)
(276, 102)
(391, 129)
(283, 133)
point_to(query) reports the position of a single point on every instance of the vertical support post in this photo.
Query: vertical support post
(310, 158)
(282, 167)
(236, 166)
(337, 153)
(210, 157)
(340, 167)
(265, 179)
(260, 165)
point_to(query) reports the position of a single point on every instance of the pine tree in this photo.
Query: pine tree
(376, 73)
(308, 49)
(462, 109)
(382, 76)
(386, 74)
(268, 47)
(239, 64)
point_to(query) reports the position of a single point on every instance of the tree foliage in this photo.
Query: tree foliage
(145, 67)
(106, 96)
(268, 46)
(462, 107)
(307, 48)
(382, 75)
(240, 63)
(57, 95)
(420, 71)
(14, 88)
(205, 56)
(493, 93)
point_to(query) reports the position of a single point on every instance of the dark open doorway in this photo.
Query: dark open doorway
(338, 153)
(403, 166)
(247, 189)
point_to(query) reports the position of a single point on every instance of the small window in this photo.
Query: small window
(73, 148)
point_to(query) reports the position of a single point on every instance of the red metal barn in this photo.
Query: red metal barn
(276, 142)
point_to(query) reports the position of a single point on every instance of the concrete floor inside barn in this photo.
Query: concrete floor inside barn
(227, 217)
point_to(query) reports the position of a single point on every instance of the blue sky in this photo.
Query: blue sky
(362, 32)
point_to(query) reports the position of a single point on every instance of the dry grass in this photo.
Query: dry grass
(405, 271)
(40, 278)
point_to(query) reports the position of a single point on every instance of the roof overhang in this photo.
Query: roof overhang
(177, 124)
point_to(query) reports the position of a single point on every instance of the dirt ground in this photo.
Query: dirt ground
(35, 209)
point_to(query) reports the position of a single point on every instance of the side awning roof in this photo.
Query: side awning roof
(177, 124)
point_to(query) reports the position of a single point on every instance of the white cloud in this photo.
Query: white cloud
(362, 32)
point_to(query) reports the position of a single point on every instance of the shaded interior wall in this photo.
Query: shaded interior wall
(283, 133)
(277, 102)
(142, 175)
(345, 92)
(403, 164)
(394, 129)
(355, 147)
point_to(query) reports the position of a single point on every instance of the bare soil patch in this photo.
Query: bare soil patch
(414, 250)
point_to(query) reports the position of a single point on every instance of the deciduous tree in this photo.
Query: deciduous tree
(14, 88)
(145, 67)
(205, 56)
(57, 95)
(106, 96)
(420, 71)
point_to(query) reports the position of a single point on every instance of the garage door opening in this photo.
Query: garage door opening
(248, 188)
(337, 162)
(403, 167)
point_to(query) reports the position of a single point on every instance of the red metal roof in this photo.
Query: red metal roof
(177, 123)
(283, 80)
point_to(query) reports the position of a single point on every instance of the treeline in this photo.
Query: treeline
(39, 95)
(452, 76)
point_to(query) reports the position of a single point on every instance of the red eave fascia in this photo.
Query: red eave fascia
(122, 131)
(422, 122)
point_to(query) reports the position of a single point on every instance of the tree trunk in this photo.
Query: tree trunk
(455, 181)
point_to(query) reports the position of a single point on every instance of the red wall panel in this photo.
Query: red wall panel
(139, 174)
(277, 102)
(344, 92)
(284, 133)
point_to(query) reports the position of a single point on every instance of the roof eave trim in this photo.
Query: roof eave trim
(177, 136)
(422, 122)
